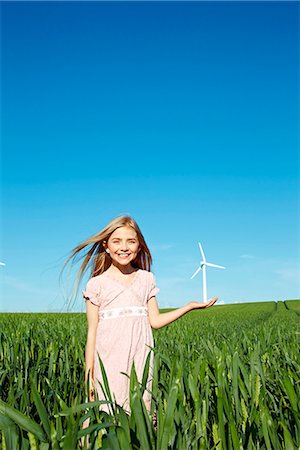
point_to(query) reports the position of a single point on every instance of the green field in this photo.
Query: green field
(225, 378)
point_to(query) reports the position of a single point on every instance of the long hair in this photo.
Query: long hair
(96, 256)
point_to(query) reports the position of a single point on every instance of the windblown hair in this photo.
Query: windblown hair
(96, 256)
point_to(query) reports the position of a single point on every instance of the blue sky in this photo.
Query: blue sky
(183, 115)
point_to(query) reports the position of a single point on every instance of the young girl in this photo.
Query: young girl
(121, 308)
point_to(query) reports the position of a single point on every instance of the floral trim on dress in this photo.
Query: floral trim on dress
(124, 312)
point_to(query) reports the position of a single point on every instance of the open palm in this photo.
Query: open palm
(198, 305)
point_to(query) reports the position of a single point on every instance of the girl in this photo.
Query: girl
(121, 308)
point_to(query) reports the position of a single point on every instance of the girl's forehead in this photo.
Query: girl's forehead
(124, 232)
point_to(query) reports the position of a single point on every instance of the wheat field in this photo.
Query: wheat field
(224, 378)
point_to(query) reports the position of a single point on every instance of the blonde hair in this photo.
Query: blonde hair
(96, 256)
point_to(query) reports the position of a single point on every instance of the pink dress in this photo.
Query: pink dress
(124, 332)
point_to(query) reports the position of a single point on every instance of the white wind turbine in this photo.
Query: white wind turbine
(202, 266)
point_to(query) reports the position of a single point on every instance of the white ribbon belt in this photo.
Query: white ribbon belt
(124, 312)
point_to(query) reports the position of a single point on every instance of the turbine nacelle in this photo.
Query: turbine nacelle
(204, 263)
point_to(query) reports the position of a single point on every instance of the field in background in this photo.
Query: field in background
(225, 378)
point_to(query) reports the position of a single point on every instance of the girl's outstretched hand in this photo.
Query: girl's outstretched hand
(198, 305)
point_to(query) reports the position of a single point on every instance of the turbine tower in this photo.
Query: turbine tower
(203, 266)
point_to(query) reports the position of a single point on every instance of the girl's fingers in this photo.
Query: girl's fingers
(196, 305)
(92, 395)
(210, 303)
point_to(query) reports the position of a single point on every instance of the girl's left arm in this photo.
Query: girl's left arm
(158, 320)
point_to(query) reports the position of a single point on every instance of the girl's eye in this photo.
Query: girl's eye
(130, 242)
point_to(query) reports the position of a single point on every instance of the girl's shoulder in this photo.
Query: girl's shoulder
(93, 282)
(147, 276)
(146, 273)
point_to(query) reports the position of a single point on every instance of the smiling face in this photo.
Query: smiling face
(123, 246)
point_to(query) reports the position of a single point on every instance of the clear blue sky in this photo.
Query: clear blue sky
(183, 115)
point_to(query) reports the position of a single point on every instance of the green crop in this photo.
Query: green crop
(224, 378)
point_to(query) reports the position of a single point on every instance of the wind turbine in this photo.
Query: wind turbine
(2, 264)
(203, 266)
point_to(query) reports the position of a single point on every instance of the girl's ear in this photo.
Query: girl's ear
(104, 243)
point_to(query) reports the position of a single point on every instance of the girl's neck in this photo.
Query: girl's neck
(125, 270)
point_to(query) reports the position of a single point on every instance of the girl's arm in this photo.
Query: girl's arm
(92, 318)
(158, 320)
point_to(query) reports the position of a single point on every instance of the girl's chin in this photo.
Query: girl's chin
(123, 261)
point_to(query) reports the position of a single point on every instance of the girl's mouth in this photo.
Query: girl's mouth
(123, 255)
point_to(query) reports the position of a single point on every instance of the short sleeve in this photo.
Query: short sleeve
(92, 292)
(153, 290)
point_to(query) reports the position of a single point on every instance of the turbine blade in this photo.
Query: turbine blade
(214, 265)
(198, 270)
(202, 252)
(2, 264)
